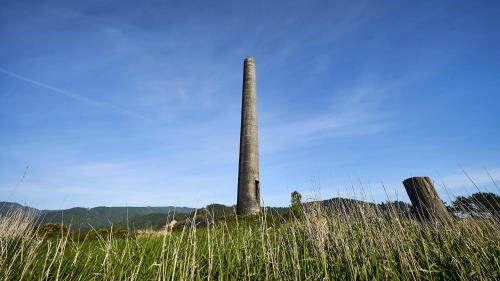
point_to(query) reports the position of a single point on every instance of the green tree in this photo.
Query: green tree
(463, 204)
(486, 202)
(296, 205)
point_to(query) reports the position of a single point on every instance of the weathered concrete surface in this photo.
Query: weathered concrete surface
(425, 200)
(248, 176)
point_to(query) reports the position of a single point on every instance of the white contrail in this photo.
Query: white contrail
(71, 94)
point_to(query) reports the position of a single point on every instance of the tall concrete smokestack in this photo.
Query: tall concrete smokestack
(248, 176)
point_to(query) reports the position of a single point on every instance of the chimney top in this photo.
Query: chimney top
(249, 60)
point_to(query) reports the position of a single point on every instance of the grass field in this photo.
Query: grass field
(315, 246)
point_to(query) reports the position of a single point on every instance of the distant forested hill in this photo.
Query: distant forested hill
(6, 207)
(153, 221)
(85, 218)
(156, 217)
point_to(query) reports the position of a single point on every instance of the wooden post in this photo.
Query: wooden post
(425, 200)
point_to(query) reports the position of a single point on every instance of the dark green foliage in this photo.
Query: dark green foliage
(84, 219)
(343, 206)
(296, 204)
(154, 221)
(107, 233)
(463, 204)
(52, 229)
(477, 203)
(277, 211)
(213, 211)
(486, 202)
(396, 207)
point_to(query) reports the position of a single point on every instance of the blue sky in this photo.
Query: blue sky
(138, 102)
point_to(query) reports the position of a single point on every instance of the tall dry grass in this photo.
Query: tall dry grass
(336, 244)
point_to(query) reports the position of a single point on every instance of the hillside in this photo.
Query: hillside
(85, 218)
(154, 221)
(217, 212)
(158, 220)
(6, 207)
(156, 217)
(82, 218)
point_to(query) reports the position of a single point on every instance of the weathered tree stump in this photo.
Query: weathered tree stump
(425, 200)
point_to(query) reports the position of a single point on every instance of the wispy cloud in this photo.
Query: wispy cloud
(466, 179)
(355, 110)
(72, 95)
